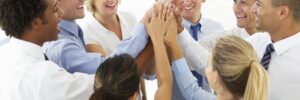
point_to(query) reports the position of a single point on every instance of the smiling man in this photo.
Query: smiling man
(279, 50)
(25, 73)
(199, 28)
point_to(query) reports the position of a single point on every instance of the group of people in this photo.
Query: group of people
(55, 51)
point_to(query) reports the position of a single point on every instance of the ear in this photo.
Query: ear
(284, 12)
(36, 23)
(218, 81)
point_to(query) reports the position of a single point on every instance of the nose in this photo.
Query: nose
(254, 8)
(60, 12)
(237, 7)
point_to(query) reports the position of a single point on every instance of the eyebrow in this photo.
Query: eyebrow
(258, 1)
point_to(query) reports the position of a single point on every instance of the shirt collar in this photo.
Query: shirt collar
(97, 25)
(28, 48)
(287, 43)
(187, 24)
(69, 26)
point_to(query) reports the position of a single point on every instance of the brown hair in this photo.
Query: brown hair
(237, 64)
(117, 78)
(292, 4)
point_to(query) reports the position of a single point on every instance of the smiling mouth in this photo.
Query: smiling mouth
(241, 16)
(80, 7)
(189, 7)
(112, 5)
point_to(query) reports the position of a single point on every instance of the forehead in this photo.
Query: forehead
(51, 3)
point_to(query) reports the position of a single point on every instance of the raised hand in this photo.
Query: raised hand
(171, 33)
(157, 25)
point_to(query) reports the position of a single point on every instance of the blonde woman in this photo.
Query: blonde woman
(119, 75)
(104, 26)
(234, 72)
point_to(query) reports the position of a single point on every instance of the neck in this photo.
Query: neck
(107, 21)
(32, 39)
(195, 19)
(251, 30)
(285, 31)
(225, 95)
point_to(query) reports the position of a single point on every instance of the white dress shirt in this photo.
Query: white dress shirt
(3, 37)
(95, 33)
(284, 67)
(25, 75)
(197, 52)
(208, 27)
(208, 42)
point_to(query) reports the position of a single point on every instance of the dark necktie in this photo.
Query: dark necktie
(46, 58)
(194, 30)
(80, 34)
(265, 61)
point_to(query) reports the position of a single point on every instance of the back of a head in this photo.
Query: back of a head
(16, 16)
(117, 78)
(238, 66)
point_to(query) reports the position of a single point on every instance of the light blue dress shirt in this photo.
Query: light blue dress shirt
(187, 83)
(70, 53)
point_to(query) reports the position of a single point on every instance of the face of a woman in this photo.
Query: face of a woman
(106, 7)
(211, 74)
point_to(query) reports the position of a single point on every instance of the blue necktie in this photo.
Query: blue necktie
(195, 29)
(265, 61)
(80, 34)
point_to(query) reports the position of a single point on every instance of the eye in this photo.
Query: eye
(257, 4)
(244, 3)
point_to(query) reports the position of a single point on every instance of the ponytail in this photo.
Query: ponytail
(257, 84)
(98, 94)
(237, 63)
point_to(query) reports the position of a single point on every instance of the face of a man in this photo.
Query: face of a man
(50, 21)
(106, 7)
(244, 16)
(191, 10)
(267, 16)
(73, 9)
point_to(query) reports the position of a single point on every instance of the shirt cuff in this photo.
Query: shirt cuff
(150, 77)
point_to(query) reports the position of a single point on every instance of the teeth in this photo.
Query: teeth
(81, 6)
(240, 16)
(188, 8)
(111, 5)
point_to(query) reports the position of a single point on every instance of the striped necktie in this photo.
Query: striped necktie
(265, 61)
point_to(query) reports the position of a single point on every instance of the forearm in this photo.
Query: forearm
(174, 51)
(145, 57)
(96, 49)
(163, 69)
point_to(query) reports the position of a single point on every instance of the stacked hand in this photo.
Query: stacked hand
(157, 25)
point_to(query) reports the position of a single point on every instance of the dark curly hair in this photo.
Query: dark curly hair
(117, 78)
(16, 15)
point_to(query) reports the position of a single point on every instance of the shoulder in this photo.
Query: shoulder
(128, 17)
(211, 24)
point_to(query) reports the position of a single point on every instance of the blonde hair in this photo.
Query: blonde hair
(90, 4)
(238, 66)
